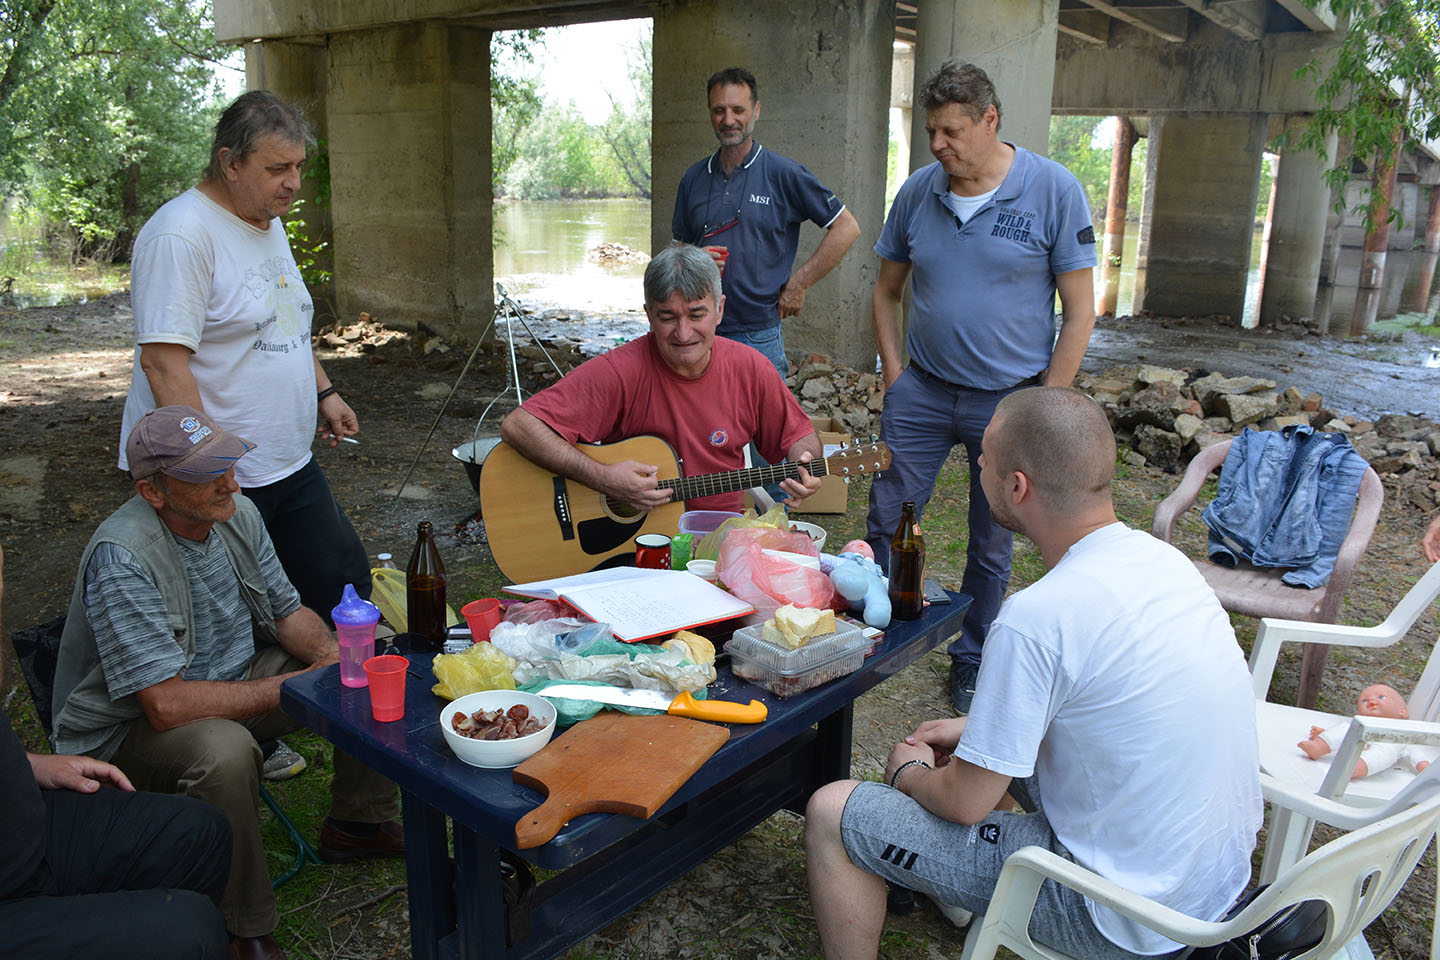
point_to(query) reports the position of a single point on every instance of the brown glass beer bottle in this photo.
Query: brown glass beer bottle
(425, 591)
(907, 567)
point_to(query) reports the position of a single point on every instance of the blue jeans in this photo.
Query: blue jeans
(314, 540)
(923, 419)
(769, 341)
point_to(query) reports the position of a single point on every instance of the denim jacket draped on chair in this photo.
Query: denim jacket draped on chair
(1285, 499)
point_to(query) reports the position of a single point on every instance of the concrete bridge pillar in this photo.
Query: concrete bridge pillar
(1208, 173)
(1432, 221)
(824, 75)
(1115, 207)
(296, 73)
(1013, 41)
(1297, 228)
(409, 125)
(1147, 207)
(1377, 224)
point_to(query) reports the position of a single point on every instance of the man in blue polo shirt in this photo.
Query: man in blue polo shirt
(744, 204)
(985, 236)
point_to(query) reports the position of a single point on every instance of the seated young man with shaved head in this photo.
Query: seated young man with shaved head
(1117, 713)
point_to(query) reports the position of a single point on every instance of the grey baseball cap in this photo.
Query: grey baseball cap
(183, 443)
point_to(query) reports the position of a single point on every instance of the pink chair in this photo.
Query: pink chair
(1258, 592)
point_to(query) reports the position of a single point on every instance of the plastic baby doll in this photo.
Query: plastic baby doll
(1377, 700)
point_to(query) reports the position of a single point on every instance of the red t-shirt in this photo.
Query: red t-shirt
(630, 392)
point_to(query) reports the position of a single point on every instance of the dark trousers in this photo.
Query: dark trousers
(923, 419)
(125, 875)
(314, 539)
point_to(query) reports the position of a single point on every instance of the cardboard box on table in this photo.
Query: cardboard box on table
(833, 490)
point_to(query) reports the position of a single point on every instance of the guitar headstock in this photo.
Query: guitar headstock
(858, 459)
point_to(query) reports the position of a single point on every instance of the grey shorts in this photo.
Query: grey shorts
(890, 835)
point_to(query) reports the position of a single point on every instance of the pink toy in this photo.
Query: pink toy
(860, 547)
(1377, 700)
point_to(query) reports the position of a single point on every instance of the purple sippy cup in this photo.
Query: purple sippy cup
(355, 621)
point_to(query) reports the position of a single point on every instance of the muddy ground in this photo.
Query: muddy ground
(65, 374)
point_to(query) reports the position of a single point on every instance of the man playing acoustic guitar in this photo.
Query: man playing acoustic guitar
(706, 397)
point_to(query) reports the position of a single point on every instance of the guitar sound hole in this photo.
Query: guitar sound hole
(622, 511)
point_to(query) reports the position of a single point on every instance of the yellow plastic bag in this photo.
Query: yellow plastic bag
(387, 591)
(709, 548)
(482, 666)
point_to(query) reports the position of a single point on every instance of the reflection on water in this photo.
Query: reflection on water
(540, 251)
(51, 298)
(1346, 310)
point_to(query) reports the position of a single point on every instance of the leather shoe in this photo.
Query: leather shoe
(262, 947)
(339, 846)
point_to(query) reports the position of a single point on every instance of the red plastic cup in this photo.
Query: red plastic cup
(387, 686)
(482, 616)
(652, 550)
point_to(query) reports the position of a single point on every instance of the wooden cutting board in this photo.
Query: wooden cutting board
(612, 763)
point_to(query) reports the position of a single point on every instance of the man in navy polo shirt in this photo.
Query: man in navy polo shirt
(985, 236)
(744, 204)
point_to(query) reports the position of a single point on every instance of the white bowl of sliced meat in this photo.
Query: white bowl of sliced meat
(495, 729)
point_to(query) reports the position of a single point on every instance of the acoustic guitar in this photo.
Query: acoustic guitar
(541, 525)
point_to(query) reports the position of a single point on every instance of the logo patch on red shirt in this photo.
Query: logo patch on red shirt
(718, 438)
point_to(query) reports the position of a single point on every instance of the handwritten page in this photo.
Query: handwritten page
(639, 603)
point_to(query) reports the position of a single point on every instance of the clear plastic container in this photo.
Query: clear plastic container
(784, 672)
(697, 523)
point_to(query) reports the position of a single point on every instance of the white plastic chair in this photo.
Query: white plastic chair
(1256, 592)
(1281, 727)
(1357, 876)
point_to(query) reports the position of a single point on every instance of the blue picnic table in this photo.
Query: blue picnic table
(607, 863)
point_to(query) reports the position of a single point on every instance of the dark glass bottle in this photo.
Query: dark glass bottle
(425, 591)
(907, 567)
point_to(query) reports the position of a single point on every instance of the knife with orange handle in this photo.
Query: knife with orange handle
(685, 705)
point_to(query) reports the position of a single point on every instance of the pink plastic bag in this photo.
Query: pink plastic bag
(536, 610)
(766, 581)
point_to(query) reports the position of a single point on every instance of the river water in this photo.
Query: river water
(541, 248)
(541, 261)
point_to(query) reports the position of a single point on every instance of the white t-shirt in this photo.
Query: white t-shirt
(1117, 680)
(202, 277)
(966, 207)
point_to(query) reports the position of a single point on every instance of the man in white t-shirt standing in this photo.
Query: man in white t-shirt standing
(222, 324)
(1119, 717)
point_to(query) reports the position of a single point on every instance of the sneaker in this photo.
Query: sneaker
(957, 915)
(962, 684)
(283, 763)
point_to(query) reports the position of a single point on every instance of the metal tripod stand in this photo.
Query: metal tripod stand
(512, 372)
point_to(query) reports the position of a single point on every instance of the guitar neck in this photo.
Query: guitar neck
(710, 484)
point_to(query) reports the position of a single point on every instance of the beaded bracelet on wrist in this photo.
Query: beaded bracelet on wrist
(895, 777)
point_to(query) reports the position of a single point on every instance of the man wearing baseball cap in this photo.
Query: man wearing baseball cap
(182, 627)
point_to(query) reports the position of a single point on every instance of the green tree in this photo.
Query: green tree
(562, 156)
(514, 96)
(627, 129)
(1381, 89)
(103, 110)
(1071, 146)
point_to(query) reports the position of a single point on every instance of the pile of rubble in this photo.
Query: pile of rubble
(1162, 416)
(365, 335)
(615, 253)
(1168, 416)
